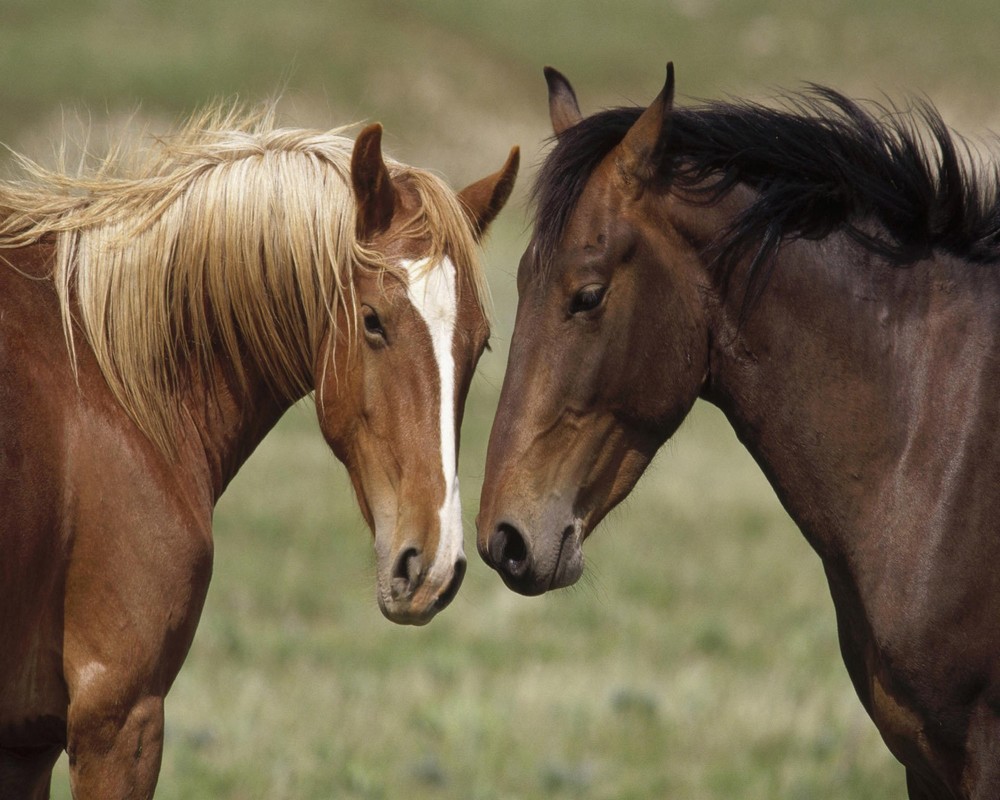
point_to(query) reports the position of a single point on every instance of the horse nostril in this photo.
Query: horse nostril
(406, 573)
(508, 550)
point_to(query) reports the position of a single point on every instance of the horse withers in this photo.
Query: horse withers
(829, 276)
(154, 325)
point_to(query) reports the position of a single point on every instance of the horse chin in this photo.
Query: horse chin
(411, 612)
(406, 613)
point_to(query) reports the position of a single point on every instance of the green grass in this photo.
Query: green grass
(698, 657)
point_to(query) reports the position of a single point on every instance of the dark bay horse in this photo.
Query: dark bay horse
(154, 325)
(828, 274)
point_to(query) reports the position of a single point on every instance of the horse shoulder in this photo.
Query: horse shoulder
(142, 546)
(106, 541)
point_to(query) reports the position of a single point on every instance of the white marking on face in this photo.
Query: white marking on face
(432, 292)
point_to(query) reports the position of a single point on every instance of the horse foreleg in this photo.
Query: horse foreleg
(981, 776)
(974, 774)
(26, 772)
(113, 752)
(919, 787)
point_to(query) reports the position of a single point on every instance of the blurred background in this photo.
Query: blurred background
(698, 657)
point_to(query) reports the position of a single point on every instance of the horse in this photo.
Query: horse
(827, 273)
(159, 311)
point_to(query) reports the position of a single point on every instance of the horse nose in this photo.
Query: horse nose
(532, 565)
(407, 574)
(508, 552)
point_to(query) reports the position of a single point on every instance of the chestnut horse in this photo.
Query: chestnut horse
(154, 325)
(829, 276)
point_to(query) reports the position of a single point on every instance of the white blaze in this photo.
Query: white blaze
(432, 292)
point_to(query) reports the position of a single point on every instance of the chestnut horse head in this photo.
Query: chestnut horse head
(257, 264)
(157, 317)
(392, 379)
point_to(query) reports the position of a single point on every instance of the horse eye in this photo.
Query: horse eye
(373, 325)
(587, 299)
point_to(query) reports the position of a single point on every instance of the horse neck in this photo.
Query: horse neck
(837, 380)
(226, 419)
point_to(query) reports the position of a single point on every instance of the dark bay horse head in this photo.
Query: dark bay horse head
(609, 353)
(828, 275)
(394, 372)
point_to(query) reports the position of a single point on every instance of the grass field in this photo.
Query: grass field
(698, 657)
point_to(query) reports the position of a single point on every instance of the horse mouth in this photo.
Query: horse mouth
(569, 562)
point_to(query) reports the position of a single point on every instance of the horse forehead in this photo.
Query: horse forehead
(596, 216)
(431, 289)
(590, 232)
(584, 248)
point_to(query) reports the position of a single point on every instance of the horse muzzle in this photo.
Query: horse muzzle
(410, 593)
(533, 564)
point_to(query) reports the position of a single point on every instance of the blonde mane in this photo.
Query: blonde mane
(232, 235)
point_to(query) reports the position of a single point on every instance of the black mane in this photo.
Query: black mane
(821, 164)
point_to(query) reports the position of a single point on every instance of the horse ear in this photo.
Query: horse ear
(483, 199)
(641, 151)
(564, 111)
(373, 190)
